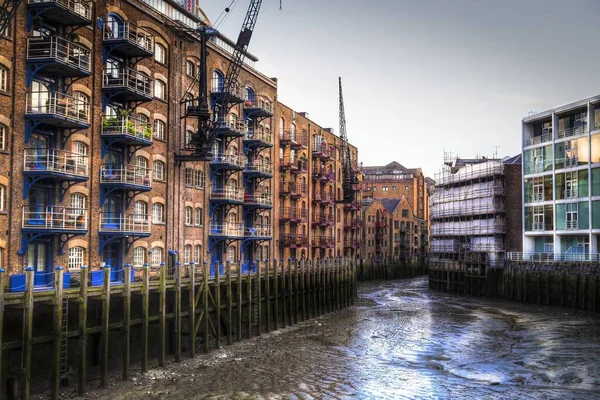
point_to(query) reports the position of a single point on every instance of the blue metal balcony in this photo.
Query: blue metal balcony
(137, 225)
(258, 201)
(124, 85)
(116, 177)
(227, 129)
(258, 232)
(55, 110)
(128, 40)
(125, 130)
(258, 169)
(56, 56)
(228, 162)
(60, 12)
(258, 108)
(231, 230)
(258, 138)
(227, 195)
(218, 91)
(56, 165)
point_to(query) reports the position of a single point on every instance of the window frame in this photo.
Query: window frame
(3, 136)
(153, 258)
(72, 259)
(198, 211)
(3, 191)
(4, 78)
(162, 52)
(160, 134)
(156, 206)
(136, 254)
(163, 90)
(158, 175)
(188, 218)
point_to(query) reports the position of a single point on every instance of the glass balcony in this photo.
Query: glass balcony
(258, 169)
(259, 232)
(128, 40)
(126, 224)
(229, 161)
(126, 176)
(127, 130)
(63, 12)
(228, 229)
(259, 107)
(258, 137)
(58, 56)
(58, 109)
(231, 195)
(56, 163)
(55, 219)
(127, 84)
(572, 132)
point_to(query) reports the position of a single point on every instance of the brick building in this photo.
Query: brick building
(95, 127)
(409, 190)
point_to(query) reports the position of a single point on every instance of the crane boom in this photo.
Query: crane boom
(348, 178)
(7, 11)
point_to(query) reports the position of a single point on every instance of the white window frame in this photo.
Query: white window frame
(157, 256)
(76, 258)
(198, 253)
(231, 252)
(188, 216)
(78, 200)
(4, 74)
(538, 223)
(158, 170)
(140, 210)
(3, 136)
(160, 129)
(158, 213)
(160, 89)
(191, 73)
(571, 215)
(198, 216)
(160, 53)
(538, 189)
(571, 184)
(187, 254)
(139, 256)
(2, 198)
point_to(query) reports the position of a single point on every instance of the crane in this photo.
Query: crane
(349, 178)
(204, 138)
(7, 11)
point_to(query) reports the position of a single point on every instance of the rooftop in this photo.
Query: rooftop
(534, 116)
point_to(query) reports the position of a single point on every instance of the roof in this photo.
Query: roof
(390, 168)
(390, 204)
(518, 159)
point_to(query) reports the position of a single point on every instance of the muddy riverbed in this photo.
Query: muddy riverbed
(400, 341)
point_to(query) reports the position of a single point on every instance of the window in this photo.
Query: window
(77, 202)
(250, 95)
(384, 189)
(160, 129)
(3, 79)
(231, 254)
(158, 213)
(405, 213)
(571, 209)
(160, 53)
(190, 68)
(3, 136)
(198, 216)
(157, 256)
(160, 89)
(140, 210)
(218, 81)
(2, 198)
(198, 253)
(406, 188)
(394, 188)
(188, 215)
(158, 170)
(82, 102)
(187, 140)
(187, 254)
(139, 257)
(194, 178)
(81, 150)
(76, 257)
(1, 257)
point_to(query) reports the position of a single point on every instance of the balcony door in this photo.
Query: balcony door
(40, 98)
(38, 206)
(39, 258)
(111, 210)
(111, 255)
(39, 152)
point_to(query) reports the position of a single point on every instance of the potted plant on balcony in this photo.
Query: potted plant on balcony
(147, 132)
(109, 124)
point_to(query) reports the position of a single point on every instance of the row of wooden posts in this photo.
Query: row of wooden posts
(182, 300)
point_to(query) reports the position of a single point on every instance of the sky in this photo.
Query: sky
(425, 77)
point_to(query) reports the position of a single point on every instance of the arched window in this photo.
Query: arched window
(76, 258)
(339, 236)
(160, 53)
(158, 170)
(82, 105)
(4, 76)
(188, 215)
(157, 256)
(187, 141)
(78, 201)
(140, 210)
(250, 95)
(190, 68)
(231, 251)
(198, 216)
(187, 254)
(198, 253)
(160, 89)
(3, 136)
(81, 151)
(281, 127)
(139, 256)
(218, 81)
(114, 27)
(293, 132)
(158, 213)
(160, 129)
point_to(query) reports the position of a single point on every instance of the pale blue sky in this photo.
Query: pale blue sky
(424, 76)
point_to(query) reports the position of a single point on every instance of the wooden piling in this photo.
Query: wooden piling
(303, 288)
(249, 303)
(284, 291)
(83, 304)
(290, 292)
(229, 304)
(239, 301)
(217, 305)
(258, 298)
(192, 309)
(104, 339)
(268, 295)
(162, 316)
(2, 284)
(295, 288)
(27, 333)
(145, 316)
(178, 312)
(205, 290)
(126, 330)
(58, 323)
(276, 293)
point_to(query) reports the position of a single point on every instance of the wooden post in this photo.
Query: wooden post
(296, 289)
(2, 283)
(314, 266)
(192, 308)
(229, 304)
(217, 305)
(258, 298)
(162, 316)
(104, 339)
(303, 287)
(145, 312)
(27, 332)
(239, 300)
(58, 322)
(249, 302)
(83, 304)
(284, 293)
(126, 332)
(177, 311)
(268, 295)
(205, 271)
(276, 293)
(290, 292)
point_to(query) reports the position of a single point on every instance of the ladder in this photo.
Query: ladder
(64, 340)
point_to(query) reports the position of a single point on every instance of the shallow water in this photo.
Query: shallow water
(400, 341)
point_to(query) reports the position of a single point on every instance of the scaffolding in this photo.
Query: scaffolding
(467, 215)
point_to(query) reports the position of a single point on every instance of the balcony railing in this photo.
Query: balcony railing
(54, 160)
(570, 193)
(262, 167)
(129, 126)
(300, 190)
(118, 31)
(299, 214)
(293, 240)
(238, 127)
(232, 229)
(261, 133)
(287, 188)
(124, 223)
(546, 136)
(234, 159)
(125, 174)
(60, 50)
(129, 79)
(553, 257)
(81, 8)
(572, 225)
(259, 231)
(323, 241)
(537, 197)
(218, 87)
(265, 199)
(60, 105)
(260, 103)
(55, 218)
(538, 226)
(227, 193)
(575, 131)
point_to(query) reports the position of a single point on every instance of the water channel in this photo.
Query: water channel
(400, 341)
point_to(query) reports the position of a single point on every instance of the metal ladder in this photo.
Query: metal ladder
(64, 340)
